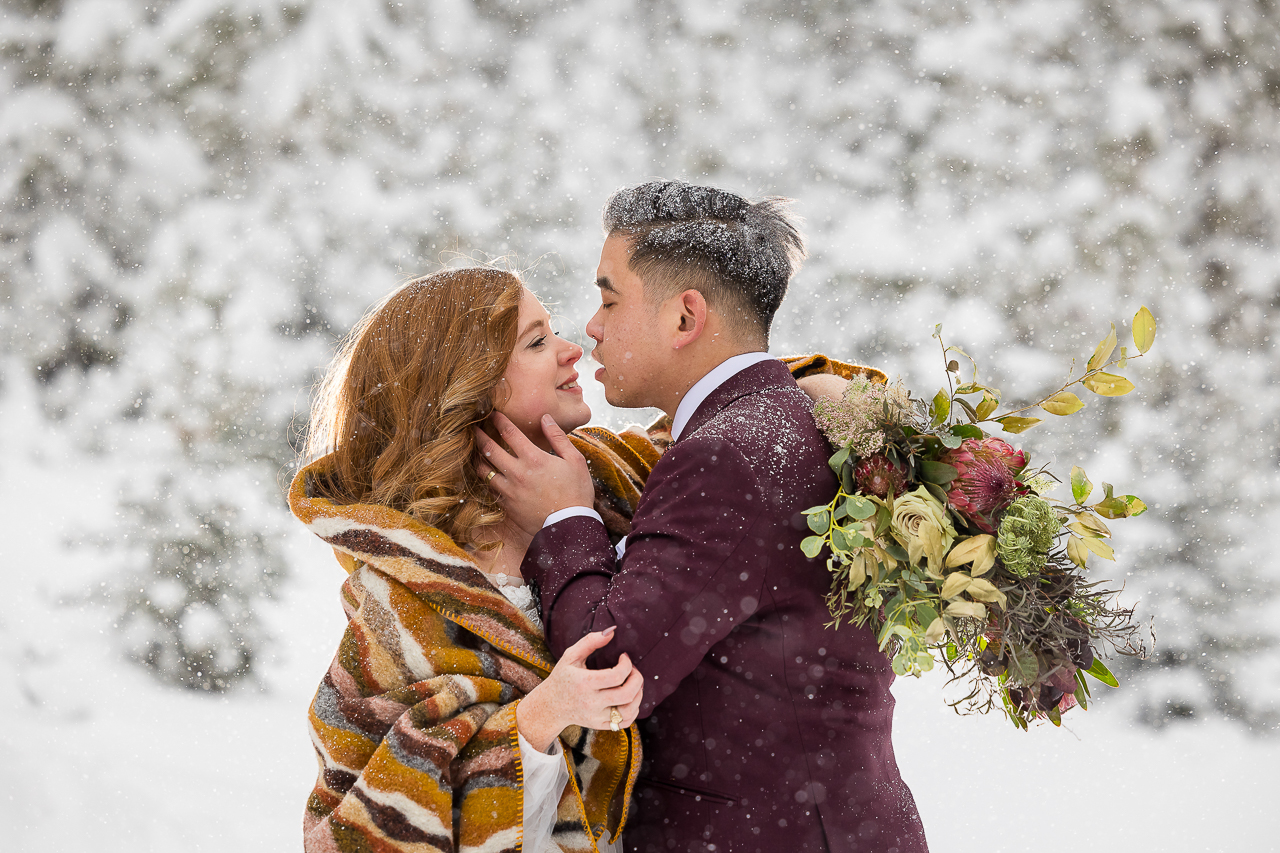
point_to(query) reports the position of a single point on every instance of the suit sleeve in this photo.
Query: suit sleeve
(687, 577)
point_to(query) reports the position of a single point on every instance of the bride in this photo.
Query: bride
(443, 722)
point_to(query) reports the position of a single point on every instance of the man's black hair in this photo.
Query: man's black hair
(731, 250)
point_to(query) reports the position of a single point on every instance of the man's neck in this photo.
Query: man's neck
(692, 371)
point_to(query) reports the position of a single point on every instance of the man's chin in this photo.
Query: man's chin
(620, 399)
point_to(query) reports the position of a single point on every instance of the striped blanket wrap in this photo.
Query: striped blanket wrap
(414, 724)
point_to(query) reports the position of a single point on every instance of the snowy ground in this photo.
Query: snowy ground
(98, 756)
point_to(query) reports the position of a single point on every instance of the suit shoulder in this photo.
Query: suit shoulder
(776, 414)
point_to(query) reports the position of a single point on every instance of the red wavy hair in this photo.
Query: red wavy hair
(396, 407)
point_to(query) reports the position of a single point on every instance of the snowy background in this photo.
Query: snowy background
(198, 196)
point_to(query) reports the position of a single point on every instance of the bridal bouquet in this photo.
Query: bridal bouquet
(942, 538)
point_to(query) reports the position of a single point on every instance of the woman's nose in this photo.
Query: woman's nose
(572, 352)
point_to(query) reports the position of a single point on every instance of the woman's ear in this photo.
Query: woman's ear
(692, 308)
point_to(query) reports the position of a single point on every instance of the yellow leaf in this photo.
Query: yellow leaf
(1062, 403)
(1080, 485)
(1108, 384)
(1103, 352)
(1144, 329)
(966, 549)
(986, 406)
(1102, 549)
(971, 609)
(985, 591)
(1094, 523)
(956, 583)
(1016, 425)
(857, 571)
(1076, 550)
(985, 561)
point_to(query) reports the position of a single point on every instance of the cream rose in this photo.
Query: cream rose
(920, 525)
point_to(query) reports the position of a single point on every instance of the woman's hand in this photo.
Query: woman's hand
(575, 695)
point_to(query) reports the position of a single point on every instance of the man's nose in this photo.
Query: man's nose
(595, 329)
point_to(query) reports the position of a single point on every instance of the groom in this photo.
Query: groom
(762, 729)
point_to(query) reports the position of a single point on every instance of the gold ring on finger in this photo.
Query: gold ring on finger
(490, 476)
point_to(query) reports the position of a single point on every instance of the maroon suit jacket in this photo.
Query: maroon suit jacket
(763, 730)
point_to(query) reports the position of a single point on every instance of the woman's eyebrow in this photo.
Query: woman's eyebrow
(531, 327)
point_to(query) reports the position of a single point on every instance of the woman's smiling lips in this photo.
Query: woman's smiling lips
(570, 386)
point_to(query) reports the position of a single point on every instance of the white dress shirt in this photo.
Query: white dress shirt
(689, 403)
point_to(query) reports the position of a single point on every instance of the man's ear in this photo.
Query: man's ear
(692, 307)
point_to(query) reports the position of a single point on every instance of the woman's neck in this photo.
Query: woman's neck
(505, 559)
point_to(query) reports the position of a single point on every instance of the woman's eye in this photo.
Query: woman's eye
(538, 341)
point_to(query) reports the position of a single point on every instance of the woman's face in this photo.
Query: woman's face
(540, 378)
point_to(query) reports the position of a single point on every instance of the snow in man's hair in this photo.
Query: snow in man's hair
(749, 250)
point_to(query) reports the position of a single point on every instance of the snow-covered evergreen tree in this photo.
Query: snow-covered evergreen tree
(196, 197)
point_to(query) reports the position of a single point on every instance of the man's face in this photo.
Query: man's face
(631, 344)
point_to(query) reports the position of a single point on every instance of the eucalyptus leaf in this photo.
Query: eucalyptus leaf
(860, 508)
(820, 521)
(838, 459)
(811, 545)
(950, 440)
(838, 540)
(968, 431)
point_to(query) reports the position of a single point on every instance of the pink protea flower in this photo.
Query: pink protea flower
(986, 480)
(877, 475)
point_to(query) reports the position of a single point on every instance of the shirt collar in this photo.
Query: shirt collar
(702, 389)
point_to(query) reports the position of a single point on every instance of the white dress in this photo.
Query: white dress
(545, 773)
